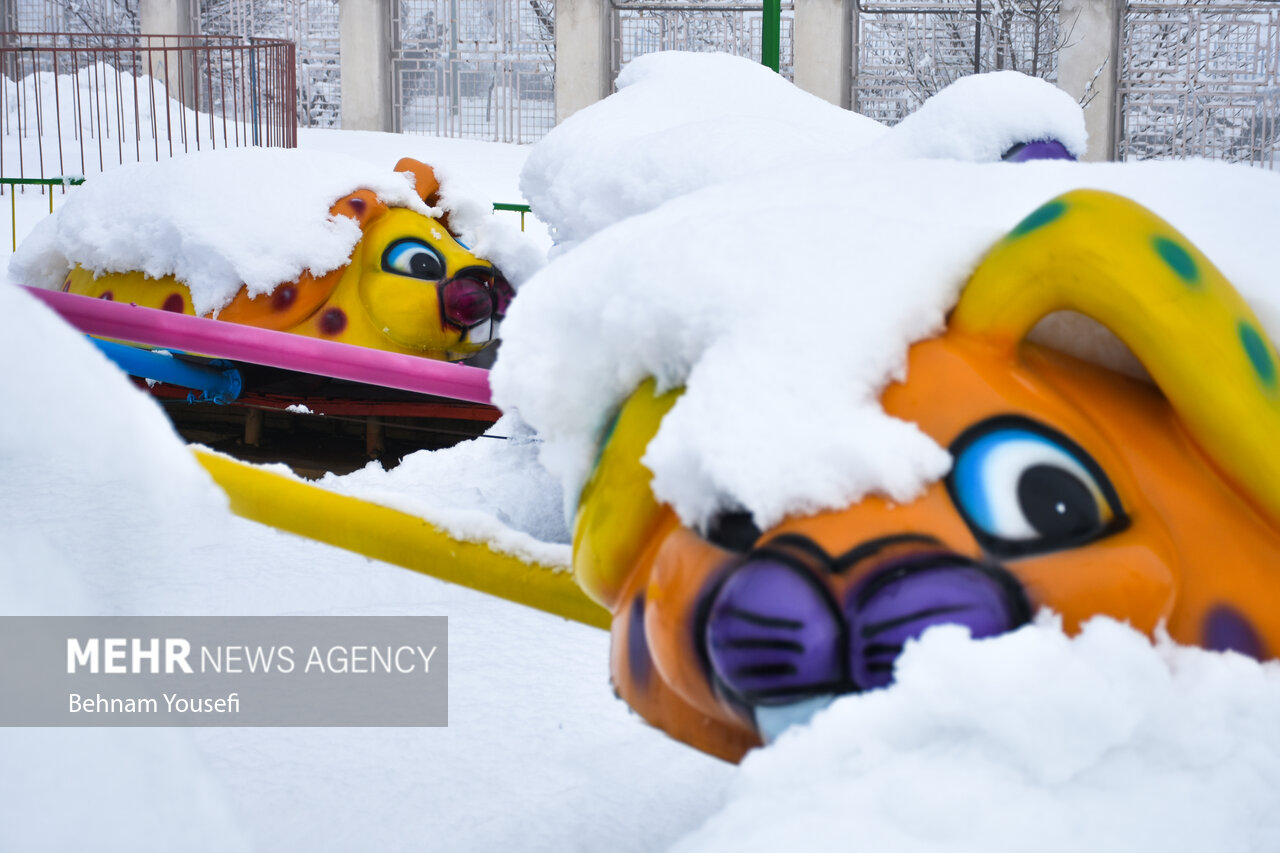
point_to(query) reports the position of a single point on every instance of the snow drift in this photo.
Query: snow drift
(1031, 741)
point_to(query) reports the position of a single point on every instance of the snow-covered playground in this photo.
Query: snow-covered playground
(715, 229)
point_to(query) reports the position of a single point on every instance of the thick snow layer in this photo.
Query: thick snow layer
(682, 121)
(254, 216)
(491, 490)
(679, 121)
(74, 431)
(472, 175)
(785, 314)
(980, 117)
(484, 171)
(102, 510)
(214, 220)
(1031, 741)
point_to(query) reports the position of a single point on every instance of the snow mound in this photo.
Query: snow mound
(786, 310)
(679, 121)
(1030, 741)
(682, 121)
(490, 490)
(130, 456)
(216, 220)
(96, 480)
(980, 117)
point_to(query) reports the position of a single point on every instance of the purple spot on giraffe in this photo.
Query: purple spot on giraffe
(1225, 629)
(107, 295)
(333, 321)
(357, 205)
(284, 297)
(173, 302)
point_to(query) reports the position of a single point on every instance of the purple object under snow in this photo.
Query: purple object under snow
(1040, 149)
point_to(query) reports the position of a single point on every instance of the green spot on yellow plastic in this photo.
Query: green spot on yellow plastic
(1255, 346)
(606, 437)
(1178, 259)
(1038, 218)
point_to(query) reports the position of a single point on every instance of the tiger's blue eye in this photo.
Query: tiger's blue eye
(1023, 488)
(413, 258)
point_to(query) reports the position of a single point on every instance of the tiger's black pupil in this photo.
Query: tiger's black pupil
(1056, 503)
(733, 531)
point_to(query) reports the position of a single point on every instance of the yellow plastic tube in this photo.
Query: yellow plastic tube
(396, 537)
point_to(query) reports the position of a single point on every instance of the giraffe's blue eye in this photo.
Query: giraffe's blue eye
(413, 258)
(1024, 489)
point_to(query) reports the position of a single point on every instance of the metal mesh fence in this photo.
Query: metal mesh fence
(480, 69)
(1200, 78)
(49, 16)
(646, 26)
(905, 52)
(310, 24)
(1196, 77)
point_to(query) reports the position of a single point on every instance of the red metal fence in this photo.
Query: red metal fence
(73, 103)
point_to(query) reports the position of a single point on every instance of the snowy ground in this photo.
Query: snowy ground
(1032, 741)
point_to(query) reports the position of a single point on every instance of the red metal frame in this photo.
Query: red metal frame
(214, 92)
(442, 409)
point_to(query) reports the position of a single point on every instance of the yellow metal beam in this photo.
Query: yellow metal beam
(396, 537)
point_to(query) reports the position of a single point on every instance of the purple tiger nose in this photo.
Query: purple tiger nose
(773, 634)
(902, 600)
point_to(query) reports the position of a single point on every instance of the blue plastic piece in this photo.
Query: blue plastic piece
(216, 381)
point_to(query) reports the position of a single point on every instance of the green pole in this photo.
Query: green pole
(771, 34)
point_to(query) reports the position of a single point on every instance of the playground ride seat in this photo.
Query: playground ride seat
(410, 286)
(1073, 488)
